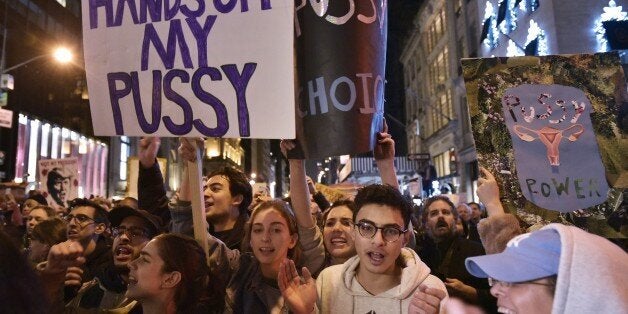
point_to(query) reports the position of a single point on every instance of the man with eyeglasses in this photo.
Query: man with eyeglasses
(444, 252)
(131, 230)
(87, 221)
(384, 275)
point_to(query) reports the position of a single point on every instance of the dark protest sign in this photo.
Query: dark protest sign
(190, 68)
(341, 59)
(548, 128)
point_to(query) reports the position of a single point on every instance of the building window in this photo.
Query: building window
(441, 112)
(436, 30)
(125, 148)
(443, 162)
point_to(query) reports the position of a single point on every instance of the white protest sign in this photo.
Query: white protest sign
(6, 118)
(190, 67)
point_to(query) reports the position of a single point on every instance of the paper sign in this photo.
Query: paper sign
(6, 118)
(190, 68)
(547, 128)
(59, 180)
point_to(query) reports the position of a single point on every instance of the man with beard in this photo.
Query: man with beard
(131, 229)
(444, 252)
(227, 194)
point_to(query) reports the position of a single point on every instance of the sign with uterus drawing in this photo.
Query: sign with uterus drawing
(555, 148)
(552, 130)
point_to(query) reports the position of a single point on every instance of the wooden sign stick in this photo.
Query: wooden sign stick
(195, 174)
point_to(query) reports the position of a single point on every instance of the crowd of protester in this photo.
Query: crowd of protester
(374, 253)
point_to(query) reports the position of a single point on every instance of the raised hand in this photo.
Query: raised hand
(63, 255)
(488, 193)
(385, 145)
(148, 151)
(187, 151)
(299, 293)
(310, 184)
(426, 300)
(287, 145)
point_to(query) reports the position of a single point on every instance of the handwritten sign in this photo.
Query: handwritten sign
(190, 68)
(548, 128)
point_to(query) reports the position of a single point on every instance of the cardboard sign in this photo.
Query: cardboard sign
(547, 128)
(6, 118)
(341, 64)
(190, 68)
(59, 180)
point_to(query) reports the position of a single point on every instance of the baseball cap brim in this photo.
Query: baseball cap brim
(118, 213)
(505, 267)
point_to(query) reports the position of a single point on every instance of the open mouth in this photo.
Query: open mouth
(375, 258)
(73, 233)
(266, 250)
(123, 253)
(442, 224)
(504, 310)
(132, 280)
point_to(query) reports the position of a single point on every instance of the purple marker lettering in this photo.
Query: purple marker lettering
(186, 126)
(222, 118)
(171, 10)
(240, 82)
(201, 33)
(146, 127)
(167, 55)
(117, 21)
(196, 13)
(116, 94)
(225, 8)
(153, 8)
(93, 12)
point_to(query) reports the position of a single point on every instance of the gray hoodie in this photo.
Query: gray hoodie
(592, 274)
(340, 292)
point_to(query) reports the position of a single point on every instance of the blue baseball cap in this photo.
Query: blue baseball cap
(527, 257)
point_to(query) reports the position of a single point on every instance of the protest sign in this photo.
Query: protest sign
(59, 180)
(547, 127)
(341, 60)
(190, 68)
(6, 118)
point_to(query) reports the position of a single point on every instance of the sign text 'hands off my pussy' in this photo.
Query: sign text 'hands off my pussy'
(190, 67)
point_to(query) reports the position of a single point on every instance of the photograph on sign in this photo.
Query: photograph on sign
(59, 180)
(207, 69)
(547, 128)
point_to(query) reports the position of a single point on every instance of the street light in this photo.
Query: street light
(60, 54)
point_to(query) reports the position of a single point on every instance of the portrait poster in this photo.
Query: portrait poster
(552, 129)
(190, 68)
(59, 180)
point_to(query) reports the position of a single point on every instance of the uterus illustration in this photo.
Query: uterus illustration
(551, 131)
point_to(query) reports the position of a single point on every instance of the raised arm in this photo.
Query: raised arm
(496, 230)
(151, 192)
(299, 192)
(384, 154)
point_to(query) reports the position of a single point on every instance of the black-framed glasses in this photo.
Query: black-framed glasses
(492, 282)
(80, 219)
(389, 233)
(131, 232)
